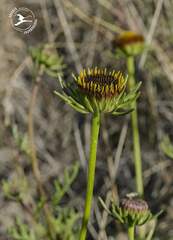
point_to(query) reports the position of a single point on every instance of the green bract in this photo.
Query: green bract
(98, 90)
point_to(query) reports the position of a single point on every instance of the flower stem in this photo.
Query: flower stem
(91, 173)
(131, 232)
(135, 129)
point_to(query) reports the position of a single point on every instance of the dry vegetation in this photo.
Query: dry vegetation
(82, 31)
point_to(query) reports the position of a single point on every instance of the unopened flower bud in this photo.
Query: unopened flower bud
(134, 209)
(131, 211)
(134, 205)
(130, 43)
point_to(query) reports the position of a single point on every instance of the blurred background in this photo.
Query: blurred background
(81, 33)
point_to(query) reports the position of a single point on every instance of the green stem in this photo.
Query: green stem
(135, 129)
(91, 173)
(131, 232)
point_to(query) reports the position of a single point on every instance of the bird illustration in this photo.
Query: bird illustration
(21, 19)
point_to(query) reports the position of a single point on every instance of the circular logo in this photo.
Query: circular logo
(23, 20)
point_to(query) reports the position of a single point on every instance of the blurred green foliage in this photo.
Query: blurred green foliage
(167, 147)
(64, 218)
(48, 57)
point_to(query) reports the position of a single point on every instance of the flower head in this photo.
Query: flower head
(135, 209)
(130, 43)
(100, 90)
(100, 83)
(132, 210)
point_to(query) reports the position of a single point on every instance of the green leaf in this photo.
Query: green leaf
(70, 101)
(63, 186)
(121, 113)
(104, 205)
(167, 147)
(21, 231)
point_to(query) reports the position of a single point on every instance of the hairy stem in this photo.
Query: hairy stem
(135, 129)
(91, 173)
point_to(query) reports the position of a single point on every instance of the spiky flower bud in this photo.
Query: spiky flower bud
(135, 209)
(132, 210)
(98, 90)
(134, 205)
(130, 43)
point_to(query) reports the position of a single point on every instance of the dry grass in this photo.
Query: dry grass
(81, 31)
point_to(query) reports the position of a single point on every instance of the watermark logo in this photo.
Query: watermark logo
(23, 20)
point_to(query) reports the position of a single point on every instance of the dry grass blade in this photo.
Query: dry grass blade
(68, 35)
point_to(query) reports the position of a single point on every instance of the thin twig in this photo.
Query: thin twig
(112, 9)
(10, 88)
(157, 168)
(102, 222)
(105, 27)
(113, 164)
(80, 146)
(68, 35)
(46, 18)
(92, 231)
(151, 31)
(164, 61)
(132, 23)
(34, 159)
(92, 46)
(120, 146)
(33, 154)
(162, 58)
